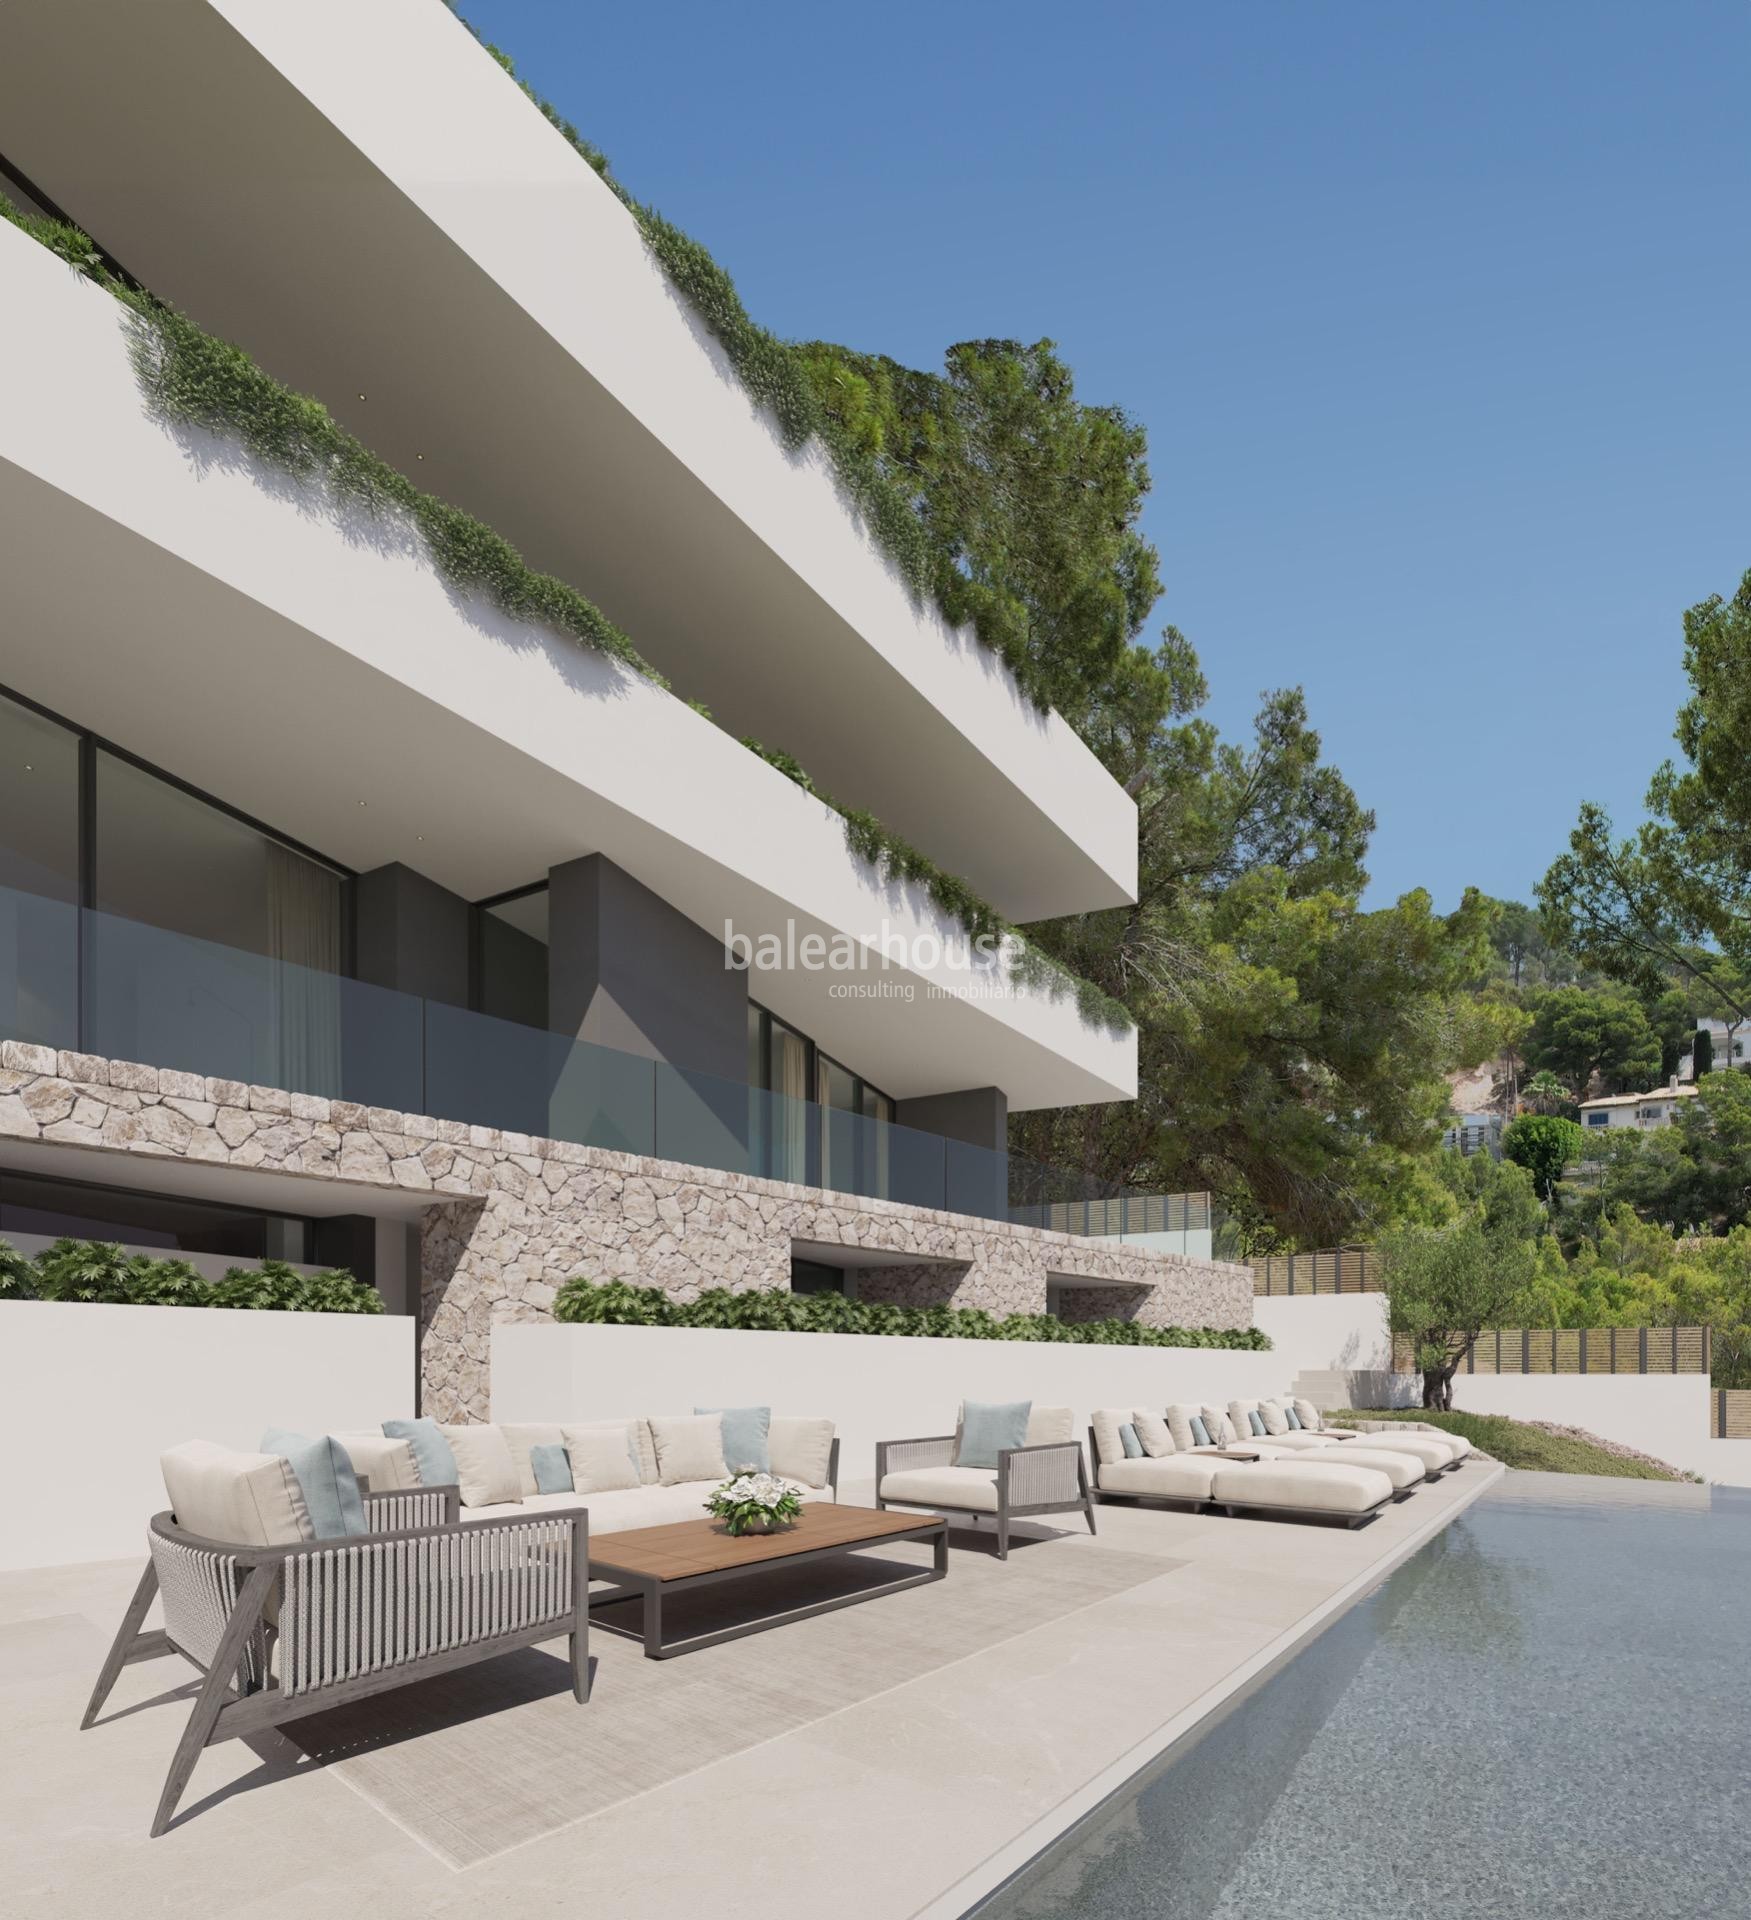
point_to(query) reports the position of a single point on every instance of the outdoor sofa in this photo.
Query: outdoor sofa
(282, 1620)
(973, 1473)
(1191, 1456)
(318, 1571)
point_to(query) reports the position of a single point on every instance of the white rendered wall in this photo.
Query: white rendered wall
(874, 1387)
(90, 1396)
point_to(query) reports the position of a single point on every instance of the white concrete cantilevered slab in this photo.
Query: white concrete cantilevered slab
(363, 199)
(310, 666)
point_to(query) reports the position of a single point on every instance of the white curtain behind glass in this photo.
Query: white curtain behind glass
(791, 1120)
(304, 944)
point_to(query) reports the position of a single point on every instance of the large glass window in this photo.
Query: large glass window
(814, 1121)
(788, 1080)
(39, 879)
(176, 861)
(214, 941)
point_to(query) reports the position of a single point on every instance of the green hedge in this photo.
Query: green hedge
(776, 1310)
(107, 1275)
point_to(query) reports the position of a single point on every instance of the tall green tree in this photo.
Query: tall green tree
(1672, 902)
(1292, 1046)
(1579, 1034)
(1029, 499)
(1544, 1145)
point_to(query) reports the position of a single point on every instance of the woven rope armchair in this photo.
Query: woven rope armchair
(1048, 1478)
(279, 1632)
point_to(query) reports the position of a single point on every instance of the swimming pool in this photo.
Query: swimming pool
(1545, 1712)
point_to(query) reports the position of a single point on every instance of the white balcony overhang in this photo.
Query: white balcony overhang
(308, 665)
(360, 197)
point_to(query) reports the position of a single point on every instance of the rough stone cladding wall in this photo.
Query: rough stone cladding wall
(509, 1218)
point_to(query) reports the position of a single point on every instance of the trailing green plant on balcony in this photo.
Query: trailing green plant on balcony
(103, 1274)
(193, 379)
(896, 860)
(616, 1303)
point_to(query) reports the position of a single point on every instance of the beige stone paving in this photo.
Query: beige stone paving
(878, 1809)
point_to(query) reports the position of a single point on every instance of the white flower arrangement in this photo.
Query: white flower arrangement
(753, 1502)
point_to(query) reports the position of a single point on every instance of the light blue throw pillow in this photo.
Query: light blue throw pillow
(325, 1476)
(1293, 1418)
(432, 1459)
(1129, 1441)
(1200, 1432)
(552, 1468)
(989, 1427)
(1256, 1421)
(747, 1435)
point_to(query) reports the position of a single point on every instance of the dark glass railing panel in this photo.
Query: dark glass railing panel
(498, 1073)
(167, 999)
(39, 969)
(702, 1120)
(170, 1000)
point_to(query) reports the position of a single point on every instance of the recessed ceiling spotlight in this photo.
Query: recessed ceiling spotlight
(361, 396)
(364, 803)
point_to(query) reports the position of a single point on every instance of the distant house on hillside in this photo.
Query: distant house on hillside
(1642, 1110)
(1475, 1133)
(1738, 1055)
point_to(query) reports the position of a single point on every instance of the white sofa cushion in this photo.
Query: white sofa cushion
(1308, 1414)
(689, 1446)
(1240, 1414)
(1106, 1422)
(970, 1488)
(485, 1471)
(1309, 1485)
(385, 1466)
(1154, 1432)
(1402, 1469)
(1181, 1476)
(801, 1448)
(243, 1499)
(523, 1439)
(1275, 1419)
(1222, 1429)
(602, 1456)
(1179, 1424)
(1430, 1448)
(1048, 1426)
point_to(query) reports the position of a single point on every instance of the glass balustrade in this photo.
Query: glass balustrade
(98, 983)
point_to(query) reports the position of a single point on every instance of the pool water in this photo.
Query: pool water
(1545, 1712)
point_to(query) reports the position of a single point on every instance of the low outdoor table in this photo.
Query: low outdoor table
(651, 1563)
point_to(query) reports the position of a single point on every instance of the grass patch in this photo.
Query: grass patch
(1516, 1444)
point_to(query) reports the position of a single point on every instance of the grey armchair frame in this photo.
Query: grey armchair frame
(1049, 1478)
(280, 1632)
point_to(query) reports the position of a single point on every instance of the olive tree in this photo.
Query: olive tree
(1445, 1284)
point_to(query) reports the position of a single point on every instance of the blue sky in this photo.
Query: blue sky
(1436, 316)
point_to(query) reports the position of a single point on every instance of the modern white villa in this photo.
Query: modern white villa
(348, 917)
(513, 960)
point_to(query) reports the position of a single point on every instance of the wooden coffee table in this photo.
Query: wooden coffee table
(650, 1563)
